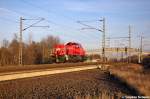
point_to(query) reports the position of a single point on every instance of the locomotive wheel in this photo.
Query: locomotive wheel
(74, 58)
(84, 58)
(78, 58)
(61, 59)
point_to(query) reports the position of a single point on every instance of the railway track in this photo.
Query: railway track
(8, 69)
(34, 73)
(20, 72)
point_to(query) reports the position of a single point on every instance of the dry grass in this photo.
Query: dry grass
(133, 74)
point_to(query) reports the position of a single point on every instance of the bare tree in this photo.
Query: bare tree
(5, 43)
(48, 44)
(33, 52)
(13, 49)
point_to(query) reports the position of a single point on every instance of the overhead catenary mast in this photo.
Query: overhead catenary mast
(103, 41)
(20, 38)
(101, 30)
(20, 42)
(129, 51)
(140, 49)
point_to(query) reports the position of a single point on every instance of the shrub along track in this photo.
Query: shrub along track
(67, 85)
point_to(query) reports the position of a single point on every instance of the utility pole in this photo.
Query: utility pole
(107, 46)
(43, 53)
(101, 30)
(116, 39)
(129, 50)
(108, 42)
(20, 38)
(20, 43)
(122, 57)
(141, 49)
(103, 41)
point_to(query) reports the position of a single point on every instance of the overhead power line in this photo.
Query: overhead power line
(56, 14)
(57, 24)
(117, 37)
(89, 21)
(87, 26)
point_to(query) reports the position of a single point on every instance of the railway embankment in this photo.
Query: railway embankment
(75, 85)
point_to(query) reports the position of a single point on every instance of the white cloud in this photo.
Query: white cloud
(80, 6)
(5, 12)
(90, 6)
(108, 6)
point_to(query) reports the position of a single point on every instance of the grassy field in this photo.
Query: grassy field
(134, 75)
(89, 83)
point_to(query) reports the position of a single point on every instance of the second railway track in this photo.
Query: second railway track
(16, 68)
(34, 73)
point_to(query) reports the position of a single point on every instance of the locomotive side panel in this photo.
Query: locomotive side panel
(71, 52)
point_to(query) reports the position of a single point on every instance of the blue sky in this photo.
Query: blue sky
(62, 17)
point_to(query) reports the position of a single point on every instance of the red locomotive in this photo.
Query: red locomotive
(70, 52)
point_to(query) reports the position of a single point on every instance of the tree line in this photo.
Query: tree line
(33, 52)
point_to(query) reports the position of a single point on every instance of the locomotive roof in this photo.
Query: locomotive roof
(72, 43)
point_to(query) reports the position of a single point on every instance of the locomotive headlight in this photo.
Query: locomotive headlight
(57, 49)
